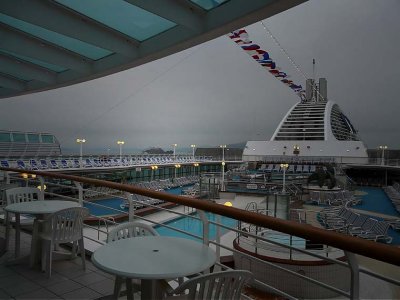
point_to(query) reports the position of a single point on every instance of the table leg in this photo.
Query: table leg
(151, 289)
(35, 245)
(17, 234)
(7, 231)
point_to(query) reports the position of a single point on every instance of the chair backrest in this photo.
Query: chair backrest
(130, 229)
(22, 194)
(66, 225)
(219, 285)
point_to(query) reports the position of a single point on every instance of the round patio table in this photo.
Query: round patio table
(39, 209)
(153, 258)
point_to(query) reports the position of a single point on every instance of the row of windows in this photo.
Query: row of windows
(26, 137)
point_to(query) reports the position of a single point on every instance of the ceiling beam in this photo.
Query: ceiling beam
(24, 44)
(5, 92)
(12, 83)
(182, 13)
(55, 17)
(12, 65)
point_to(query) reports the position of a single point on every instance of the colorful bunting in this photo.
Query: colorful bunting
(241, 37)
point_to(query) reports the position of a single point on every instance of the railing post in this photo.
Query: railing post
(355, 276)
(131, 208)
(206, 233)
(80, 192)
(7, 174)
(41, 195)
(218, 238)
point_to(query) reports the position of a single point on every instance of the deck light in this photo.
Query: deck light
(228, 203)
(284, 167)
(24, 175)
(383, 148)
(33, 176)
(40, 187)
(193, 147)
(174, 145)
(120, 143)
(81, 142)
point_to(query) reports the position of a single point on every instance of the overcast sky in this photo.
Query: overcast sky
(216, 94)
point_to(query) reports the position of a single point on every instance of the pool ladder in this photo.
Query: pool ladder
(105, 222)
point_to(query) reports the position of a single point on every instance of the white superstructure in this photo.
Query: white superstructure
(312, 129)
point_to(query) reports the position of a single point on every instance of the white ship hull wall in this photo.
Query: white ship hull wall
(349, 152)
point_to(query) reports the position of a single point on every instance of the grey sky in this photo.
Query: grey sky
(215, 93)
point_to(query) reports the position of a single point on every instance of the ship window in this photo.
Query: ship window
(47, 138)
(33, 138)
(5, 137)
(19, 137)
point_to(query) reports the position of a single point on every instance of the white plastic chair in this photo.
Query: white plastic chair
(218, 285)
(125, 231)
(18, 195)
(63, 226)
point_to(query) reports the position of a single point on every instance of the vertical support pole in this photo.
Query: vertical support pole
(80, 192)
(206, 235)
(355, 276)
(7, 174)
(218, 238)
(131, 206)
(41, 195)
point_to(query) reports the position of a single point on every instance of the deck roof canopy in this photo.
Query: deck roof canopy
(46, 44)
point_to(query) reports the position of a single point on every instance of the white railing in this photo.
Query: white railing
(249, 249)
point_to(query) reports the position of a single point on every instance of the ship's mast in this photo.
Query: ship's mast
(314, 88)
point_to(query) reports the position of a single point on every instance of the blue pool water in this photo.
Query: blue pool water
(104, 211)
(195, 226)
(116, 203)
(296, 242)
(376, 200)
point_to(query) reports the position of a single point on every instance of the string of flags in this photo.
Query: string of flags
(241, 37)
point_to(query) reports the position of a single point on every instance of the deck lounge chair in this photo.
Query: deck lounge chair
(64, 164)
(34, 164)
(4, 163)
(378, 232)
(54, 164)
(21, 164)
(76, 164)
(43, 164)
(88, 163)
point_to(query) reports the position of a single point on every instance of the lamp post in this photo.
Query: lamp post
(120, 143)
(223, 177)
(174, 145)
(223, 167)
(383, 148)
(193, 147)
(80, 141)
(153, 168)
(284, 167)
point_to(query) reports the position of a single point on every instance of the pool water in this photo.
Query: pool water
(104, 211)
(375, 200)
(195, 226)
(116, 203)
(296, 242)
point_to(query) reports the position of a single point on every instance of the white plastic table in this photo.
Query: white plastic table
(37, 208)
(152, 258)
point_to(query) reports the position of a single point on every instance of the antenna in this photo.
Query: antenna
(314, 88)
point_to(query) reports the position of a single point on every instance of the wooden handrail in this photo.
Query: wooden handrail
(382, 252)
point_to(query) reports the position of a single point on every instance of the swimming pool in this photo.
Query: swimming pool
(375, 200)
(116, 203)
(194, 226)
(104, 211)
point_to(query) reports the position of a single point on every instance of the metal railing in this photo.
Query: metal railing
(239, 247)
